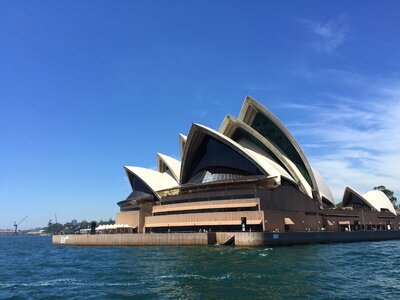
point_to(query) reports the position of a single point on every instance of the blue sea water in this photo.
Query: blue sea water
(31, 267)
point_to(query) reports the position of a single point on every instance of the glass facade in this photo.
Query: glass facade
(216, 174)
(239, 134)
(326, 203)
(220, 160)
(269, 130)
(355, 202)
(138, 185)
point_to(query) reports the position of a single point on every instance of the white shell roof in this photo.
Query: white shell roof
(250, 106)
(182, 142)
(155, 180)
(375, 199)
(262, 162)
(173, 165)
(323, 187)
(379, 200)
(226, 129)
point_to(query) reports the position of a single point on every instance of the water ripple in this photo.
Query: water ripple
(31, 267)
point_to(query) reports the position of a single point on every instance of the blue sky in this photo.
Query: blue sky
(87, 87)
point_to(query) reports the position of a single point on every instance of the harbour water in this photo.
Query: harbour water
(31, 267)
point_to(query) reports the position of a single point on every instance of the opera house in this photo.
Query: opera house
(250, 175)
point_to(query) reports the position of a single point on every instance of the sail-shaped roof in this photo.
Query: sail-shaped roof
(167, 163)
(380, 201)
(182, 142)
(376, 200)
(209, 148)
(323, 188)
(240, 131)
(149, 181)
(268, 125)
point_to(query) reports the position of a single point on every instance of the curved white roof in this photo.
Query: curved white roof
(154, 180)
(379, 200)
(262, 163)
(228, 127)
(374, 199)
(182, 142)
(323, 187)
(249, 111)
(174, 165)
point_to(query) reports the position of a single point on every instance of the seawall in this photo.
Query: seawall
(211, 238)
(151, 239)
(301, 238)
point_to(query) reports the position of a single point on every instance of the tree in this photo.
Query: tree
(389, 194)
(109, 222)
(55, 228)
(71, 227)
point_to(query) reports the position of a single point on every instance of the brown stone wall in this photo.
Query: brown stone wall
(364, 217)
(205, 205)
(203, 218)
(286, 198)
(275, 221)
(132, 218)
(285, 201)
(153, 239)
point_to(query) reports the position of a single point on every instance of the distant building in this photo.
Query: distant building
(7, 232)
(36, 232)
(251, 174)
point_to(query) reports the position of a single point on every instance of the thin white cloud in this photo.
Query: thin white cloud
(202, 114)
(327, 37)
(357, 137)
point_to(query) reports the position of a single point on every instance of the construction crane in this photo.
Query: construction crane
(16, 224)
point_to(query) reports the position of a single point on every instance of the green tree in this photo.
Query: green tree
(84, 224)
(389, 194)
(71, 227)
(55, 228)
(109, 222)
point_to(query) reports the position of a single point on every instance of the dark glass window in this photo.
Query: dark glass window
(213, 154)
(138, 185)
(213, 174)
(326, 203)
(242, 134)
(269, 130)
(356, 202)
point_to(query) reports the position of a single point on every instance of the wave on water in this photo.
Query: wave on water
(41, 270)
(64, 282)
(196, 276)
